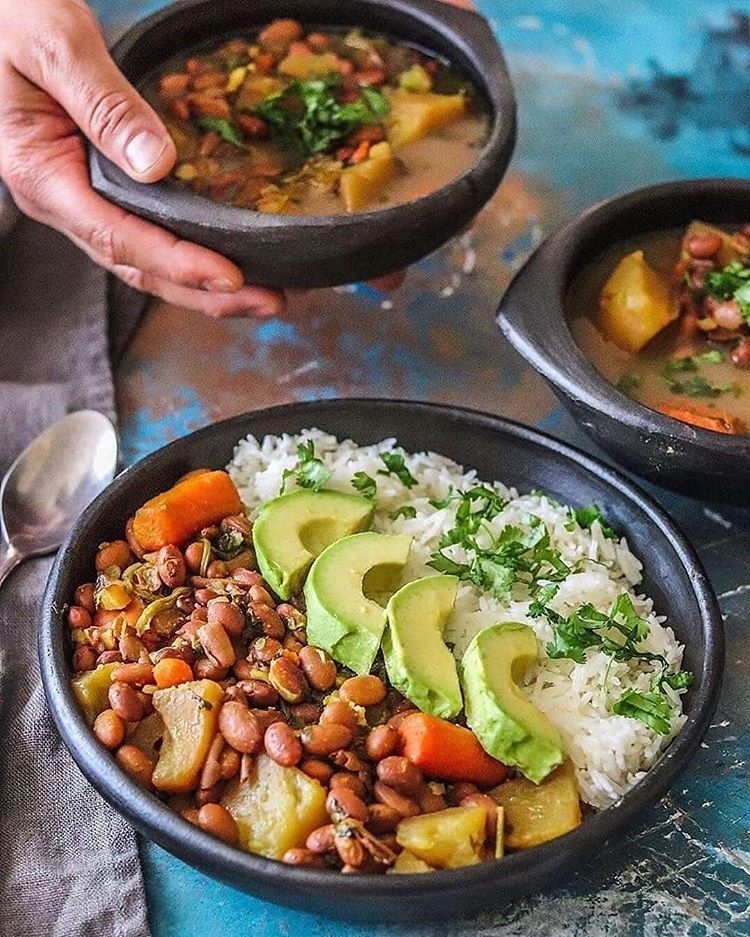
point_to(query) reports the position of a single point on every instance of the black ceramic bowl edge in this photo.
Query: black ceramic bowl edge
(396, 236)
(374, 899)
(694, 461)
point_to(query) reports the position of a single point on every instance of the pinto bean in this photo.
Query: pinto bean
(259, 693)
(351, 851)
(229, 616)
(174, 84)
(78, 617)
(125, 701)
(337, 712)
(84, 658)
(389, 796)
(318, 667)
(350, 781)
(325, 739)
(194, 556)
(727, 314)
(229, 763)
(382, 818)
(381, 742)
(363, 690)
(241, 728)
(399, 773)
(115, 553)
(279, 34)
(318, 769)
(84, 597)
(268, 619)
(109, 728)
(264, 650)
(216, 644)
(342, 802)
(247, 577)
(206, 669)
(298, 855)
(282, 744)
(703, 246)
(137, 765)
(288, 679)
(740, 354)
(139, 673)
(170, 566)
(218, 820)
(320, 841)
(258, 593)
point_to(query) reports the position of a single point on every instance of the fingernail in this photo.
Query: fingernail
(221, 285)
(144, 150)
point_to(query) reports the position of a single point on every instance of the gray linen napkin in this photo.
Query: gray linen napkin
(69, 864)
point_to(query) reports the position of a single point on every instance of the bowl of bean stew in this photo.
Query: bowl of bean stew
(318, 143)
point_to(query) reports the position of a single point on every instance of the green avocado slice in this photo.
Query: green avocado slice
(509, 727)
(343, 616)
(294, 528)
(417, 659)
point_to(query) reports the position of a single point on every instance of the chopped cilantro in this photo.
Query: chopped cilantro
(406, 510)
(395, 465)
(308, 115)
(226, 130)
(586, 516)
(697, 386)
(365, 484)
(628, 383)
(652, 708)
(228, 544)
(310, 472)
(731, 282)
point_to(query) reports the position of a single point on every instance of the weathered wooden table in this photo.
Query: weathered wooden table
(611, 96)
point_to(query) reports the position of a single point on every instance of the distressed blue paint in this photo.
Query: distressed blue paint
(143, 432)
(277, 332)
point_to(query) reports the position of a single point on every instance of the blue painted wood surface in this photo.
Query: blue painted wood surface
(611, 96)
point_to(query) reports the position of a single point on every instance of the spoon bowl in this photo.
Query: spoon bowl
(51, 482)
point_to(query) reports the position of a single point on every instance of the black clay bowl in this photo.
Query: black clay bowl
(303, 251)
(532, 315)
(497, 449)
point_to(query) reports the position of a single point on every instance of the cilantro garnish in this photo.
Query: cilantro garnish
(586, 516)
(365, 484)
(731, 282)
(697, 386)
(310, 472)
(628, 383)
(226, 130)
(395, 465)
(308, 115)
(618, 634)
(406, 510)
(228, 544)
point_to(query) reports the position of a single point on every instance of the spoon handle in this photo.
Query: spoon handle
(9, 559)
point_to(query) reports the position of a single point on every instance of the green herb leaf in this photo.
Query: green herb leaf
(228, 544)
(680, 680)
(395, 465)
(226, 130)
(310, 472)
(365, 484)
(653, 709)
(697, 386)
(308, 115)
(406, 510)
(628, 383)
(586, 516)
(732, 282)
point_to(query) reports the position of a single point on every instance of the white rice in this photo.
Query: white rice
(611, 753)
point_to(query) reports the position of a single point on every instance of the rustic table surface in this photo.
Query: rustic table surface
(611, 96)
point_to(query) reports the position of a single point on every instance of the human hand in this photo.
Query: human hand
(59, 84)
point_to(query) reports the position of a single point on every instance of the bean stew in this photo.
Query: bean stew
(316, 122)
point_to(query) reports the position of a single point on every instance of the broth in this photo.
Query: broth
(682, 371)
(316, 123)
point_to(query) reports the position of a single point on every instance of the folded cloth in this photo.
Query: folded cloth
(69, 864)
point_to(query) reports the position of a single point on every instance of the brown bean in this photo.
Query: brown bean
(203, 104)
(320, 841)
(125, 701)
(206, 669)
(84, 596)
(259, 693)
(350, 849)
(258, 593)
(395, 721)
(132, 648)
(490, 808)
(216, 644)
(318, 42)
(703, 246)
(278, 35)
(84, 658)
(740, 354)
(190, 814)
(342, 802)
(337, 712)
(398, 772)
(315, 768)
(139, 673)
(350, 781)
(288, 679)
(382, 818)
(381, 742)
(173, 84)
(211, 771)
(115, 553)
(78, 617)
(209, 79)
(109, 728)
(430, 801)
(137, 765)
(229, 763)
(209, 795)
(325, 739)
(297, 855)
(194, 556)
(247, 577)
(282, 744)
(217, 569)
(109, 657)
(204, 595)
(306, 713)
(229, 616)
(268, 619)
(254, 128)
(199, 615)
(240, 728)
(318, 667)
(218, 820)
(170, 566)
(727, 314)
(264, 650)
(349, 761)
(363, 690)
(395, 799)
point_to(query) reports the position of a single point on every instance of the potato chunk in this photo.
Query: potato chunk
(190, 712)
(309, 65)
(635, 304)
(91, 689)
(360, 185)
(407, 863)
(534, 814)
(413, 116)
(276, 808)
(446, 839)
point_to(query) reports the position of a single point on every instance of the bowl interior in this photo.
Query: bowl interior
(497, 449)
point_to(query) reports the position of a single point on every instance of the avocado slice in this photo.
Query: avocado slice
(417, 660)
(341, 592)
(294, 528)
(509, 727)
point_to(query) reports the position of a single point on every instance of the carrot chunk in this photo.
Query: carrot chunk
(448, 752)
(715, 420)
(173, 516)
(170, 671)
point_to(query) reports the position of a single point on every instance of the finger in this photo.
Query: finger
(71, 63)
(248, 301)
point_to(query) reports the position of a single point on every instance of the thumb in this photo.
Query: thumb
(84, 80)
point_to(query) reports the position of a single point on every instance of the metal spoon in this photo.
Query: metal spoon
(51, 482)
